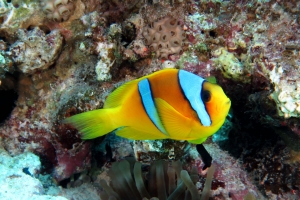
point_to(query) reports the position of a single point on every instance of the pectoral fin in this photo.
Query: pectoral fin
(177, 125)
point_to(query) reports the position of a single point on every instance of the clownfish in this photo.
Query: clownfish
(170, 103)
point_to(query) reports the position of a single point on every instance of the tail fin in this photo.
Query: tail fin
(94, 123)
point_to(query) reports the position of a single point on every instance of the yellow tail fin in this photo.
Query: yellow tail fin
(95, 123)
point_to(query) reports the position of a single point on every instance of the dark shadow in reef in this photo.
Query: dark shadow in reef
(7, 103)
(260, 140)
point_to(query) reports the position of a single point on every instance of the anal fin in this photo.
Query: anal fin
(134, 134)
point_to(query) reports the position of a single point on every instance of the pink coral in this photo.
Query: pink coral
(72, 161)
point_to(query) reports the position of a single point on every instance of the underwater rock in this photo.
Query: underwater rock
(58, 10)
(106, 61)
(18, 177)
(6, 64)
(115, 10)
(251, 47)
(34, 50)
(16, 15)
(229, 180)
(79, 157)
(149, 150)
(230, 66)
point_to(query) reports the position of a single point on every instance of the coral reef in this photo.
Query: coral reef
(230, 66)
(17, 177)
(106, 61)
(58, 10)
(116, 10)
(230, 180)
(165, 37)
(169, 175)
(34, 50)
(146, 151)
(68, 58)
(264, 150)
(285, 94)
(6, 64)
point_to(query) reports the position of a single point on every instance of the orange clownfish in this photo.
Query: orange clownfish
(170, 103)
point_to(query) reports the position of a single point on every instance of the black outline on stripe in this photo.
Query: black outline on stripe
(154, 105)
(182, 91)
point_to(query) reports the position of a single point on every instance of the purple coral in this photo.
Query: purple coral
(72, 161)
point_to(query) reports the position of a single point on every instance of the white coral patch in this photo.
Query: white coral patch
(168, 64)
(286, 94)
(290, 106)
(105, 61)
(35, 50)
(230, 65)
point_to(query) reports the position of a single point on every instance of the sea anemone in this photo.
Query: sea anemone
(164, 181)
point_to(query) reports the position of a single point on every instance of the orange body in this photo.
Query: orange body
(124, 111)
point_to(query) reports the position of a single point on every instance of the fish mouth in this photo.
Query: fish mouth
(225, 105)
(227, 101)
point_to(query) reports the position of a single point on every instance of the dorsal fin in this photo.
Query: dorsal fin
(117, 97)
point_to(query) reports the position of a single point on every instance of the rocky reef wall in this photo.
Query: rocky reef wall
(63, 57)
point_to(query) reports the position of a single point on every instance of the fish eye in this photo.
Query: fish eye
(205, 96)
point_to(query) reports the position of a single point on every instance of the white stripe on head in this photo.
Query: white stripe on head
(191, 86)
